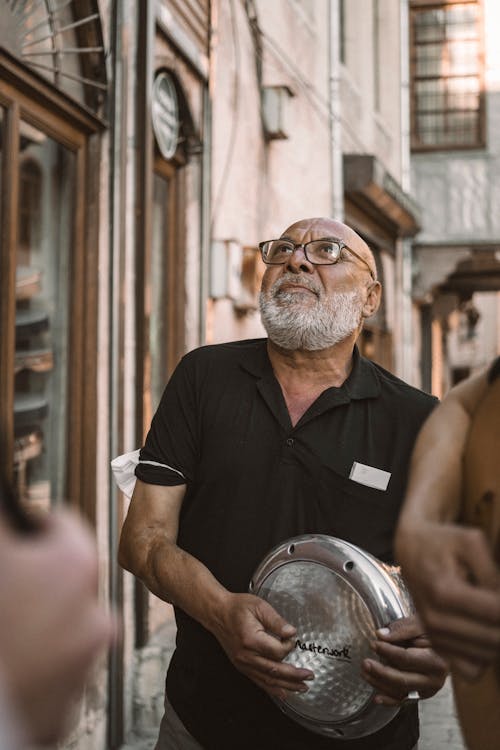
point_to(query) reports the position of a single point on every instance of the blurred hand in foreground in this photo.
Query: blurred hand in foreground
(52, 627)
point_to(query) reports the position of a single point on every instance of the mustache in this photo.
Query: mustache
(293, 280)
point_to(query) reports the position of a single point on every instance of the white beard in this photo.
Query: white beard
(294, 323)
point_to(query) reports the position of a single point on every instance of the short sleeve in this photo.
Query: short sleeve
(169, 455)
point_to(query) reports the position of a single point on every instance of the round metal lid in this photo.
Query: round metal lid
(336, 596)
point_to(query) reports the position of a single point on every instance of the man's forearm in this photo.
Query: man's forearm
(179, 578)
(253, 635)
(148, 549)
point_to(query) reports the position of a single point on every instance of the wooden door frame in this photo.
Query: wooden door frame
(176, 259)
(28, 97)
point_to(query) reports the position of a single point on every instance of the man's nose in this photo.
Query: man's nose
(297, 261)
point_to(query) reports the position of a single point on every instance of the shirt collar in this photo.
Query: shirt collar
(363, 381)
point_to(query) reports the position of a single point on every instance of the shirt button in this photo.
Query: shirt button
(290, 442)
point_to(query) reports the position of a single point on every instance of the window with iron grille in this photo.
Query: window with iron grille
(447, 75)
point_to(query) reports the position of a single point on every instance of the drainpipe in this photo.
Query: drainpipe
(206, 169)
(405, 96)
(117, 169)
(205, 216)
(336, 165)
(404, 353)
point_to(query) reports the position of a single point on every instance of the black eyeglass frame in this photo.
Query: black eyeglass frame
(341, 245)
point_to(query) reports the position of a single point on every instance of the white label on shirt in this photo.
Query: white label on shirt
(370, 476)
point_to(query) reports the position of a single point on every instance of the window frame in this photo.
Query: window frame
(172, 283)
(26, 96)
(416, 144)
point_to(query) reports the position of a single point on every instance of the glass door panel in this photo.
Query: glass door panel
(156, 300)
(43, 267)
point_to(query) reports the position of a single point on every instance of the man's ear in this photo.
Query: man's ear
(373, 298)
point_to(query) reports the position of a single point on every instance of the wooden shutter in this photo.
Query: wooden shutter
(194, 17)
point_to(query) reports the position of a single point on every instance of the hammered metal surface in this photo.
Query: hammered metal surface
(334, 630)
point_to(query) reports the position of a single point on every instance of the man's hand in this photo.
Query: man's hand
(456, 588)
(409, 664)
(256, 639)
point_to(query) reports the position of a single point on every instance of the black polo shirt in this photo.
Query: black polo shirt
(252, 481)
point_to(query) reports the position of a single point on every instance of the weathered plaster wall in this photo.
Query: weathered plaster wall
(261, 186)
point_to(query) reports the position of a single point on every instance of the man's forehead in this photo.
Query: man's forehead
(307, 229)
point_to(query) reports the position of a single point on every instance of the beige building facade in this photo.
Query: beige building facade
(305, 125)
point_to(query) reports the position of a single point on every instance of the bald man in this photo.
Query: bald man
(255, 442)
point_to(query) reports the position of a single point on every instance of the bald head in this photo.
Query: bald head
(306, 230)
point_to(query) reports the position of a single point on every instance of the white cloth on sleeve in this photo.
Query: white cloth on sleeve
(123, 468)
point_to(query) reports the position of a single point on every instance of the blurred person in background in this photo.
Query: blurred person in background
(448, 542)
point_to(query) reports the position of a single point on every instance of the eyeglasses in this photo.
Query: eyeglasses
(324, 252)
